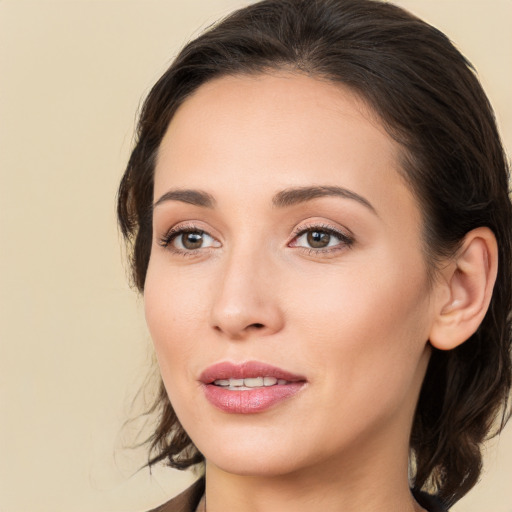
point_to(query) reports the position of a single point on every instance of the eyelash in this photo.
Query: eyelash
(175, 232)
(346, 240)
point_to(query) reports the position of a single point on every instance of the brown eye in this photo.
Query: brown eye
(318, 239)
(191, 240)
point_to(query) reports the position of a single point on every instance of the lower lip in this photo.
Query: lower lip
(249, 401)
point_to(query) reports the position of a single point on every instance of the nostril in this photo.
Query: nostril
(257, 326)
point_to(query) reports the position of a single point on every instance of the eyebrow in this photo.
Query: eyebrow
(195, 197)
(293, 196)
(283, 199)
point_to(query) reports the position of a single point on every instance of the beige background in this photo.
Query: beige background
(74, 348)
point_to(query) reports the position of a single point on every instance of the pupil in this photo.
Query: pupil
(192, 240)
(318, 239)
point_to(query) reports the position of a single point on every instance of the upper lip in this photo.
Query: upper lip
(246, 370)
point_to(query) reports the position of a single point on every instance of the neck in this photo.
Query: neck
(378, 482)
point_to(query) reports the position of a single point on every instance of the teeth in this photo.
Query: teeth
(255, 382)
(252, 382)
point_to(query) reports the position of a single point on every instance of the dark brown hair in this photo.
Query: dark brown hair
(430, 101)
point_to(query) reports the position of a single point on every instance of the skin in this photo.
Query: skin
(354, 317)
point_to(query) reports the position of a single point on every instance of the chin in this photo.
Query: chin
(264, 467)
(253, 458)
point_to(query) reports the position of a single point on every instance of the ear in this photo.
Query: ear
(465, 290)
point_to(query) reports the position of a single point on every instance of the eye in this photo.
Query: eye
(186, 239)
(190, 240)
(316, 239)
(321, 237)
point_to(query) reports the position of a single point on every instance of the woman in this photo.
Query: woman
(318, 205)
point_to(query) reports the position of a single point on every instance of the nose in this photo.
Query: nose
(247, 301)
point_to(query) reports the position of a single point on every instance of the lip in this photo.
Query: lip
(246, 370)
(253, 400)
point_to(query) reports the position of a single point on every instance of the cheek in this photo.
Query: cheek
(368, 327)
(172, 309)
(373, 295)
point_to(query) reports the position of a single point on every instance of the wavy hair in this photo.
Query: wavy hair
(429, 99)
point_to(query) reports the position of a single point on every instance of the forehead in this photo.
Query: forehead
(266, 132)
(281, 110)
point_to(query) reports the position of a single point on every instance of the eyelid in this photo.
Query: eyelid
(171, 234)
(321, 225)
(345, 236)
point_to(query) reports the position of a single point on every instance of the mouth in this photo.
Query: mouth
(249, 374)
(234, 384)
(249, 387)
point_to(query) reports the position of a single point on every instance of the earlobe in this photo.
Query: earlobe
(467, 283)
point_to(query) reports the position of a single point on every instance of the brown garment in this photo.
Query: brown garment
(193, 500)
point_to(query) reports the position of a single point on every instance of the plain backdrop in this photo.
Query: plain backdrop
(74, 349)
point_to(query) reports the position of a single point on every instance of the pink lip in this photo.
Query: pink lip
(253, 400)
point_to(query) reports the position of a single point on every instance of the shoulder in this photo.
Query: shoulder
(187, 501)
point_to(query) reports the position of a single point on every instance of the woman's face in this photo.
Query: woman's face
(286, 252)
